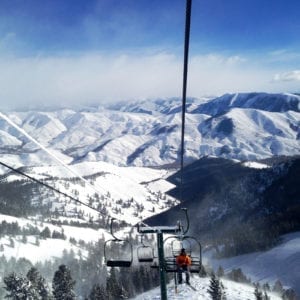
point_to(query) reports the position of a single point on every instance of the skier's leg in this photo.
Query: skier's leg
(179, 272)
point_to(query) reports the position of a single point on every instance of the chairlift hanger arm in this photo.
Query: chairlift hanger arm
(187, 221)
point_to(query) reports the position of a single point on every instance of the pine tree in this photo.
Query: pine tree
(19, 288)
(289, 294)
(63, 284)
(278, 288)
(112, 286)
(39, 284)
(220, 272)
(258, 294)
(98, 293)
(265, 296)
(46, 233)
(216, 289)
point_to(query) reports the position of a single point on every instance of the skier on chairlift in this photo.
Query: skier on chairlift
(183, 262)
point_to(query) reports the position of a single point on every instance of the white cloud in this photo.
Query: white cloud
(287, 76)
(98, 77)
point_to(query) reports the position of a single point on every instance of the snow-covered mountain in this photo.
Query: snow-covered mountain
(112, 147)
(147, 133)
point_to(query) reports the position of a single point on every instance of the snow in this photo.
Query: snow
(48, 248)
(255, 165)
(145, 186)
(281, 262)
(233, 290)
(263, 125)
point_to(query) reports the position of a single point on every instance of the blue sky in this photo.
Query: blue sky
(73, 51)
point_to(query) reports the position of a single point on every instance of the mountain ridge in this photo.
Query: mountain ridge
(248, 126)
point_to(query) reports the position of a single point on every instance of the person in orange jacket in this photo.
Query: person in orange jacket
(183, 262)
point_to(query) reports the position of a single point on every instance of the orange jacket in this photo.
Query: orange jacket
(183, 260)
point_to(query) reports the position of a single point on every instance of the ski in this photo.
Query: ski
(193, 288)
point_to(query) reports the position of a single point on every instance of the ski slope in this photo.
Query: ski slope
(233, 290)
(281, 262)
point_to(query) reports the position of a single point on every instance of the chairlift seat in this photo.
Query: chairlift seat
(145, 254)
(119, 263)
(145, 259)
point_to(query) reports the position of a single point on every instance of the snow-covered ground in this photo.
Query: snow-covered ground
(281, 262)
(49, 248)
(233, 290)
(143, 187)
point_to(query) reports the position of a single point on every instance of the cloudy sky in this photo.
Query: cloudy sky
(86, 51)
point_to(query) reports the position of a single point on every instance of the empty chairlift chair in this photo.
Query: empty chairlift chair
(145, 253)
(117, 252)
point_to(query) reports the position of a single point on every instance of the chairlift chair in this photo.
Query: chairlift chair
(173, 246)
(191, 245)
(117, 252)
(145, 253)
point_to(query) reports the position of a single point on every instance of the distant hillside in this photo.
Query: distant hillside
(259, 101)
(242, 208)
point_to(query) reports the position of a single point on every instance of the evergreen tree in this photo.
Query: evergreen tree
(112, 286)
(237, 275)
(11, 242)
(98, 293)
(220, 272)
(39, 284)
(63, 284)
(19, 288)
(258, 294)
(216, 289)
(46, 233)
(266, 297)
(37, 241)
(289, 294)
(266, 287)
(24, 239)
(278, 288)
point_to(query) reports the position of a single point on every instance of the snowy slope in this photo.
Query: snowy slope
(260, 101)
(143, 189)
(47, 248)
(233, 290)
(281, 262)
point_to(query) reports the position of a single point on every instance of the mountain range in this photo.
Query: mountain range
(247, 126)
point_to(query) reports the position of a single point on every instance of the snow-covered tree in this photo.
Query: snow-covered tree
(258, 294)
(19, 288)
(289, 294)
(39, 284)
(98, 293)
(113, 287)
(216, 289)
(63, 284)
